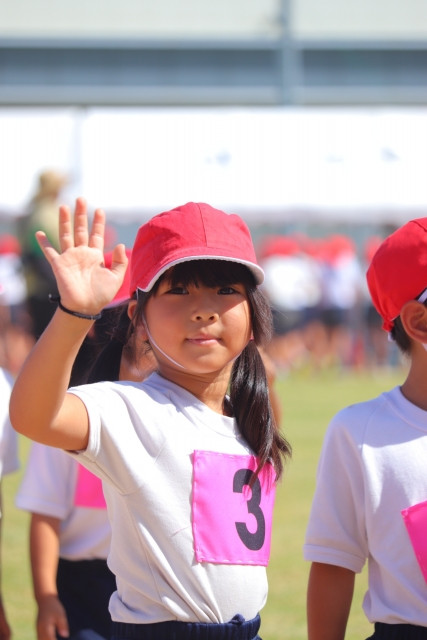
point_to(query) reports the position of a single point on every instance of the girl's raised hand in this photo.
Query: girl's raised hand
(84, 283)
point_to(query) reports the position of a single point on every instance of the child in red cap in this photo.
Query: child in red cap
(371, 496)
(189, 458)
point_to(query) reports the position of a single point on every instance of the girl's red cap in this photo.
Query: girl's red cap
(194, 231)
(398, 270)
(123, 293)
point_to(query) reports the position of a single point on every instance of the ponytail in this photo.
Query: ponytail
(249, 394)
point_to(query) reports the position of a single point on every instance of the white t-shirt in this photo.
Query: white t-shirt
(49, 488)
(342, 282)
(8, 436)
(142, 443)
(372, 467)
(13, 288)
(292, 282)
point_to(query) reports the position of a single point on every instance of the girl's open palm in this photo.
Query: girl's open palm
(84, 283)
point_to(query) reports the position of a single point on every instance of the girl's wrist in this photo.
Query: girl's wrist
(76, 314)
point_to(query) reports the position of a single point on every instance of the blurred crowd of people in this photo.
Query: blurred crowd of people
(323, 316)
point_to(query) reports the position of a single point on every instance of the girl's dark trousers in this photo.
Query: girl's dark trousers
(84, 588)
(237, 629)
(398, 632)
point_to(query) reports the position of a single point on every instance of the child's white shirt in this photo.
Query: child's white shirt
(8, 437)
(49, 488)
(142, 442)
(373, 465)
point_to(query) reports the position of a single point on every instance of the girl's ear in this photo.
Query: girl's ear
(414, 320)
(131, 308)
(139, 328)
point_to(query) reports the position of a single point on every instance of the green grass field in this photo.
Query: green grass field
(309, 402)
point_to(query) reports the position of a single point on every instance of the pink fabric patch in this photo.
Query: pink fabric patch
(231, 521)
(415, 519)
(88, 492)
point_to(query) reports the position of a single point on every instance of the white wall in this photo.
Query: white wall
(324, 163)
(365, 19)
(137, 18)
(336, 19)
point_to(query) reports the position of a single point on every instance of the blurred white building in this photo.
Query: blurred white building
(196, 52)
(272, 108)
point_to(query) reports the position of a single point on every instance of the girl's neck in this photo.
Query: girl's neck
(210, 389)
(415, 386)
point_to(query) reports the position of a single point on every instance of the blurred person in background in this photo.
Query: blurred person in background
(16, 337)
(293, 289)
(8, 464)
(342, 286)
(42, 216)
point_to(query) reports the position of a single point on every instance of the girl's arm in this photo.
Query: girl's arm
(329, 597)
(44, 552)
(40, 408)
(5, 631)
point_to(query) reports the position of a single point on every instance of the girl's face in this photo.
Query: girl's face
(197, 328)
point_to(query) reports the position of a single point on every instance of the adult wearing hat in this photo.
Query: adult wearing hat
(42, 216)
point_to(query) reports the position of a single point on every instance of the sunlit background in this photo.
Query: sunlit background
(289, 112)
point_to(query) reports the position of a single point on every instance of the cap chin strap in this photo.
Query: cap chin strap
(422, 297)
(154, 343)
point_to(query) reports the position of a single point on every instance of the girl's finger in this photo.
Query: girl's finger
(49, 252)
(66, 239)
(119, 259)
(81, 234)
(97, 231)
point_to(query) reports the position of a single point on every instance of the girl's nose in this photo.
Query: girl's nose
(205, 308)
(206, 316)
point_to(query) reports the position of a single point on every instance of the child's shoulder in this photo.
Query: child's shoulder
(118, 393)
(357, 416)
(366, 406)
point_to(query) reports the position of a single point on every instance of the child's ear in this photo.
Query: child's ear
(139, 328)
(131, 308)
(414, 320)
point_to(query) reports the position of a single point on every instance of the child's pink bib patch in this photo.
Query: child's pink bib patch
(231, 520)
(415, 519)
(88, 491)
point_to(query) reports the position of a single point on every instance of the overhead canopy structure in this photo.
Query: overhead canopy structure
(266, 164)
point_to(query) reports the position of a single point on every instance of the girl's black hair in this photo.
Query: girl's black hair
(249, 393)
(100, 355)
(400, 337)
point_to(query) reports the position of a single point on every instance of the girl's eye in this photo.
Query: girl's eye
(178, 290)
(226, 291)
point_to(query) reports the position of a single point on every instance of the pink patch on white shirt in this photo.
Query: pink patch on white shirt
(88, 492)
(232, 521)
(415, 519)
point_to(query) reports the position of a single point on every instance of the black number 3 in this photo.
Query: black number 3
(252, 541)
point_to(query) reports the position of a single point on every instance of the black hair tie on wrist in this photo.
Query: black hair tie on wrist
(76, 314)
